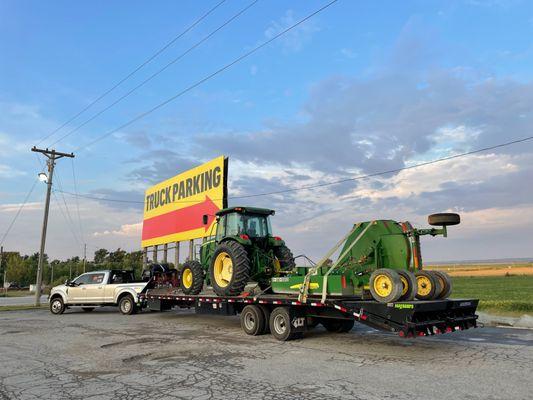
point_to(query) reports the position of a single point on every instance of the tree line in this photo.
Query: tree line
(22, 269)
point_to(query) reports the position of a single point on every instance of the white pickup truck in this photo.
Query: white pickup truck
(97, 289)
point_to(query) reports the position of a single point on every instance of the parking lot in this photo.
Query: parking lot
(180, 355)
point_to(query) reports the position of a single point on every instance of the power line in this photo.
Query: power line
(318, 185)
(77, 199)
(153, 56)
(18, 212)
(208, 77)
(197, 44)
(67, 220)
(66, 207)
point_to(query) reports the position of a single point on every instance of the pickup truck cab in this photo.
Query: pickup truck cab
(98, 289)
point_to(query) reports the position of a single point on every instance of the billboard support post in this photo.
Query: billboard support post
(191, 249)
(177, 254)
(145, 257)
(165, 253)
(155, 253)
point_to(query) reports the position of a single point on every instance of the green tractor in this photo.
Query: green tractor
(242, 250)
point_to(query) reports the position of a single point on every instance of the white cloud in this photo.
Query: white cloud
(296, 38)
(130, 230)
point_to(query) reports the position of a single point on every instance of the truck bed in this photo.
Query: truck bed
(407, 319)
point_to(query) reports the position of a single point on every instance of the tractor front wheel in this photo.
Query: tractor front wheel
(192, 277)
(229, 271)
(385, 285)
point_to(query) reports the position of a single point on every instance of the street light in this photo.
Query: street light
(43, 177)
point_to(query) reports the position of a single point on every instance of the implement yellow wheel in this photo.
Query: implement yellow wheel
(385, 285)
(187, 278)
(426, 285)
(223, 269)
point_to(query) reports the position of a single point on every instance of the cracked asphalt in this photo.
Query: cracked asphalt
(181, 355)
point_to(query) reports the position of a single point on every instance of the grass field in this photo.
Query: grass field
(497, 293)
(484, 269)
(15, 293)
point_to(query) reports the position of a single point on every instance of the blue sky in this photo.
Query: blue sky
(360, 88)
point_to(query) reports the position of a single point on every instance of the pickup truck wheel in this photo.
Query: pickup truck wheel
(87, 309)
(57, 306)
(127, 305)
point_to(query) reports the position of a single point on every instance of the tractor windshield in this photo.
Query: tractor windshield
(251, 225)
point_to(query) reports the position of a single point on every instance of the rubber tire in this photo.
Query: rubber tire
(285, 258)
(446, 284)
(59, 307)
(396, 288)
(241, 269)
(266, 313)
(338, 325)
(258, 320)
(122, 304)
(431, 277)
(286, 334)
(413, 286)
(444, 219)
(88, 309)
(198, 276)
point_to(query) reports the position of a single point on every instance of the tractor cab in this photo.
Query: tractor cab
(244, 223)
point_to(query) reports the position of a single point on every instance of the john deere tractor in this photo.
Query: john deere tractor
(242, 250)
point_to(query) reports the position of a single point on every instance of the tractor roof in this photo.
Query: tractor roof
(246, 210)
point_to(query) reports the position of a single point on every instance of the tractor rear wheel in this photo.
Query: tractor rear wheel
(445, 282)
(427, 285)
(409, 285)
(229, 271)
(285, 258)
(385, 285)
(192, 277)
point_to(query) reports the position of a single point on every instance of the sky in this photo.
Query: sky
(362, 87)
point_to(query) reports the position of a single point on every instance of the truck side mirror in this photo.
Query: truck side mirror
(205, 219)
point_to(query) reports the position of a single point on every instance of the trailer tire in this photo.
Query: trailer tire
(445, 282)
(266, 314)
(57, 306)
(409, 285)
(444, 219)
(285, 257)
(280, 325)
(240, 269)
(192, 277)
(426, 285)
(385, 285)
(338, 325)
(126, 305)
(253, 320)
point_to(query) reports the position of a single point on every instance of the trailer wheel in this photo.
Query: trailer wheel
(126, 305)
(445, 282)
(385, 285)
(427, 285)
(253, 320)
(409, 285)
(192, 277)
(229, 271)
(338, 325)
(280, 325)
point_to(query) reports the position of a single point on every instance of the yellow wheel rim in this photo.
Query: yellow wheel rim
(187, 278)
(277, 266)
(223, 269)
(383, 285)
(405, 284)
(424, 285)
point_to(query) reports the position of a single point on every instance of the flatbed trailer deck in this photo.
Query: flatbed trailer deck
(260, 313)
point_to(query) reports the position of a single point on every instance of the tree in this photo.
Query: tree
(100, 256)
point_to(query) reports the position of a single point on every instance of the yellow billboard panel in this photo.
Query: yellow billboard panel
(173, 209)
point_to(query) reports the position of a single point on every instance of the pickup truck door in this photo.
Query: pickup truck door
(76, 292)
(95, 288)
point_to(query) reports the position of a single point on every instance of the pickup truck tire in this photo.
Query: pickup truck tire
(126, 305)
(87, 309)
(57, 306)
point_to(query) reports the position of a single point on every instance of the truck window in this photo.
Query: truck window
(221, 227)
(234, 224)
(95, 279)
(82, 279)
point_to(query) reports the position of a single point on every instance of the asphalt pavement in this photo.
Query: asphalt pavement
(181, 355)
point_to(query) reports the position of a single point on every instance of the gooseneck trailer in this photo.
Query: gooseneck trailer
(286, 318)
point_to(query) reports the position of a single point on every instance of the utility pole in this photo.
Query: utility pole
(5, 268)
(84, 255)
(52, 156)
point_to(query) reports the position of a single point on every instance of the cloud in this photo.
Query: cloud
(8, 172)
(294, 40)
(130, 230)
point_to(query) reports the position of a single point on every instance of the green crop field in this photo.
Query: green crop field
(497, 293)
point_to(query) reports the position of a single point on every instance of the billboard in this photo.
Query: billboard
(173, 209)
